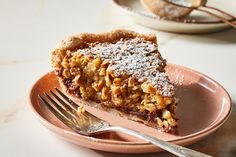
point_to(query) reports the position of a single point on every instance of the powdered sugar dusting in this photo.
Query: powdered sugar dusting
(135, 57)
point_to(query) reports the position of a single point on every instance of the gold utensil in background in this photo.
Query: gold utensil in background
(200, 5)
(182, 8)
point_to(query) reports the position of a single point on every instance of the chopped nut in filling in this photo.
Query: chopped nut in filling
(127, 74)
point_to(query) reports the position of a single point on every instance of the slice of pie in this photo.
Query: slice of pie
(120, 70)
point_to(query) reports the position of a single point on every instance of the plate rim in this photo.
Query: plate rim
(181, 21)
(199, 134)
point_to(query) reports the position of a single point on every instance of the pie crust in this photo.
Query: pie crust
(121, 71)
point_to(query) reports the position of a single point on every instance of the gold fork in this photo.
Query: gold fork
(84, 123)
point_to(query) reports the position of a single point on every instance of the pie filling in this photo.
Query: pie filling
(127, 75)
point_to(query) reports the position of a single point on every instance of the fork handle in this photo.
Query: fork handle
(170, 147)
(221, 11)
(229, 22)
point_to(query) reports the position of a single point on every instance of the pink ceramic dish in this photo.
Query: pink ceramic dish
(204, 106)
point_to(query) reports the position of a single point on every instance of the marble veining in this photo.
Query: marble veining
(18, 61)
(8, 115)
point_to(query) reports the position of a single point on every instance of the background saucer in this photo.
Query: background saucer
(196, 22)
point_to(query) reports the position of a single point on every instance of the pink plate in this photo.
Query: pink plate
(204, 106)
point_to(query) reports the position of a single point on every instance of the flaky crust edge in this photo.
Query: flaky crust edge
(78, 41)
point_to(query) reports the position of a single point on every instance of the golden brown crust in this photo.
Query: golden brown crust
(78, 41)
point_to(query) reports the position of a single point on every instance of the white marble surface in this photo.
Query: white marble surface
(30, 28)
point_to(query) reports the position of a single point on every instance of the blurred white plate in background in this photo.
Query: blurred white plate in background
(196, 22)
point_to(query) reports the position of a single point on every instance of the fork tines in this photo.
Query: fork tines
(61, 106)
